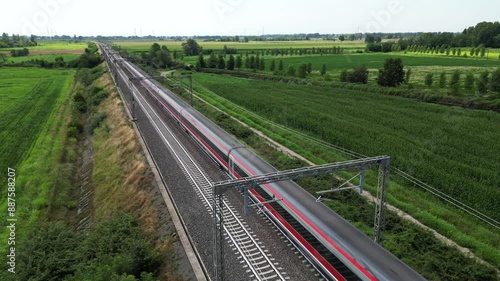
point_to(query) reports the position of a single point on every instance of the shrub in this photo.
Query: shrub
(429, 79)
(455, 82)
(96, 120)
(392, 74)
(469, 82)
(442, 80)
(483, 82)
(357, 75)
(495, 81)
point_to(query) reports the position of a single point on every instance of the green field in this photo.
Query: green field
(347, 61)
(27, 100)
(48, 51)
(49, 58)
(252, 45)
(32, 134)
(450, 148)
(53, 46)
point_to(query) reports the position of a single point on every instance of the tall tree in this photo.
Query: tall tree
(273, 66)
(478, 50)
(469, 82)
(191, 48)
(483, 82)
(429, 79)
(212, 61)
(221, 64)
(442, 80)
(262, 64)
(281, 66)
(483, 51)
(252, 62)
(303, 71)
(231, 63)
(455, 82)
(154, 49)
(247, 62)
(323, 70)
(201, 62)
(239, 62)
(392, 74)
(495, 81)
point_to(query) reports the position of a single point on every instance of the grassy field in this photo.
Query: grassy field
(420, 65)
(49, 58)
(33, 112)
(450, 148)
(56, 46)
(373, 125)
(376, 60)
(252, 45)
(48, 51)
(28, 98)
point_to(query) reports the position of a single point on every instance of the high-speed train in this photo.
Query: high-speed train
(362, 258)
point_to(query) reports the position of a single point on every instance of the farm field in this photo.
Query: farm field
(28, 97)
(49, 58)
(420, 65)
(344, 117)
(376, 60)
(54, 46)
(252, 45)
(425, 140)
(32, 115)
(48, 51)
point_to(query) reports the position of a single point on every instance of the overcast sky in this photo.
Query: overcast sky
(241, 17)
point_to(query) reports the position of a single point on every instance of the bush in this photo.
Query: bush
(96, 98)
(455, 82)
(49, 254)
(442, 80)
(88, 76)
(483, 82)
(469, 82)
(112, 250)
(20, 53)
(357, 75)
(429, 79)
(495, 81)
(392, 74)
(96, 120)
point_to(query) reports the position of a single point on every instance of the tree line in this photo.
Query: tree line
(483, 35)
(17, 40)
(192, 48)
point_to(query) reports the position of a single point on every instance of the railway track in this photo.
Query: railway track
(259, 264)
(336, 249)
(327, 254)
